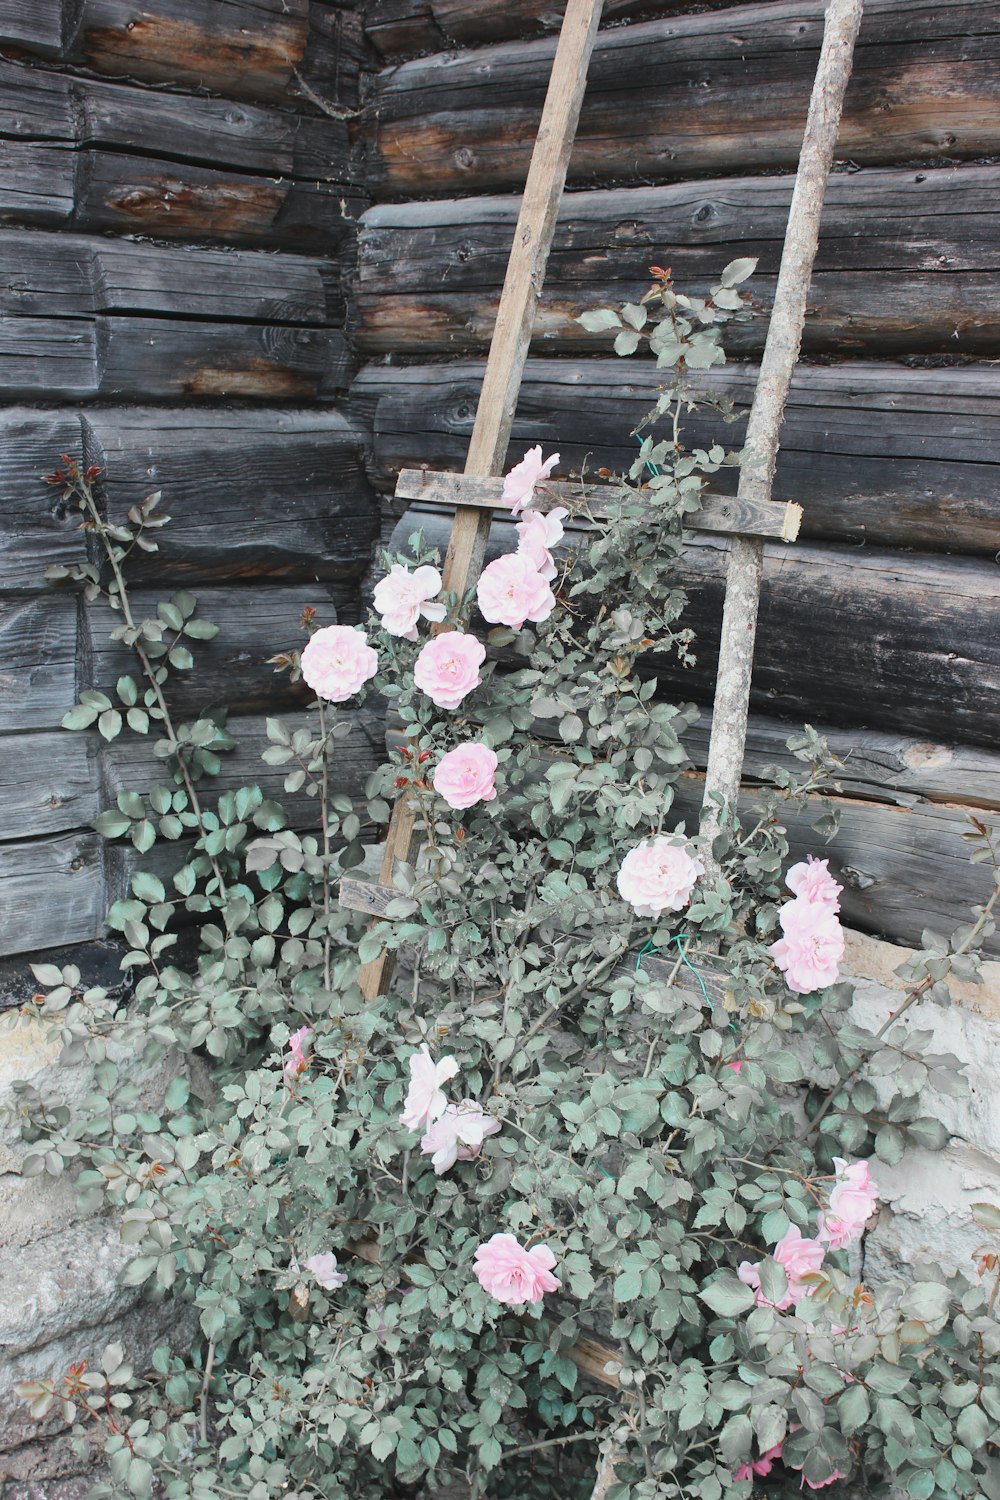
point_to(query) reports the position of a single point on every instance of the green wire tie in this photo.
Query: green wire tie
(650, 947)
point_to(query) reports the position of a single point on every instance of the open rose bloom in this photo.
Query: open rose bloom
(298, 1058)
(425, 1099)
(447, 668)
(812, 946)
(658, 875)
(512, 1274)
(401, 597)
(852, 1202)
(537, 534)
(458, 1135)
(510, 591)
(464, 776)
(811, 879)
(337, 662)
(519, 485)
(798, 1257)
(324, 1268)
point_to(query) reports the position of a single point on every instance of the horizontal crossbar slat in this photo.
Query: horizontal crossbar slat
(721, 514)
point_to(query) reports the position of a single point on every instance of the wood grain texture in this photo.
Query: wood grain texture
(51, 893)
(241, 48)
(907, 261)
(254, 495)
(876, 453)
(687, 96)
(719, 514)
(402, 28)
(881, 640)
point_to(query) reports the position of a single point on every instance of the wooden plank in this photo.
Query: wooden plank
(48, 357)
(690, 95)
(922, 276)
(35, 24)
(719, 514)
(916, 637)
(51, 893)
(253, 494)
(508, 352)
(37, 661)
(49, 783)
(880, 454)
(37, 182)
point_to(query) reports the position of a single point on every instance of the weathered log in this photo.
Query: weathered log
(262, 494)
(874, 453)
(920, 277)
(51, 892)
(686, 96)
(854, 637)
(37, 660)
(243, 48)
(48, 783)
(402, 28)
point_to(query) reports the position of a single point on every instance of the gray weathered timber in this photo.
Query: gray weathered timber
(264, 494)
(241, 48)
(686, 96)
(49, 783)
(37, 181)
(875, 453)
(907, 261)
(860, 637)
(37, 660)
(51, 892)
(402, 28)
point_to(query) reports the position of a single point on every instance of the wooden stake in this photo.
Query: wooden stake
(781, 352)
(508, 353)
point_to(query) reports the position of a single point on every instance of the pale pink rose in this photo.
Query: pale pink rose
(658, 875)
(536, 535)
(818, 1484)
(324, 1268)
(736, 1066)
(519, 485)
(464, 776)
(509, 592)
(401, 597)
(760, 1466)
(337, 662)
(458, 1135)
(809, 954)
(852, 1203)
(297, 1061)
(798, 1257)
(512, 1274)
(425, 1100)
(447, 668)
(811, 879)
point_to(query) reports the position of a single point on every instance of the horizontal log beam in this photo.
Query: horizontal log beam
(878, 453)
(252, 494)
(858, 637)
(720, 514)
(921, 278)
(689, 95)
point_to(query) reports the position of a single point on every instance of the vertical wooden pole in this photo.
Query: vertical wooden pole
(781, 352)
(508, 352)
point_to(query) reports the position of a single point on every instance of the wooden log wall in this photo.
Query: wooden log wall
(178, 218)
(881, 626)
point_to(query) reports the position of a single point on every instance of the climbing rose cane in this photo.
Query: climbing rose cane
(447, 668)
(337, 662)
(458, 1135)
(464, 776)
(519, 485)
(512, 1274)
(658, 875)
(401, 597)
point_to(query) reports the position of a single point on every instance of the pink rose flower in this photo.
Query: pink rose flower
(811, 879)
(809, 954)
(324, 1268)
(798, 1257)
(425, 1100)
(337, 662)
(658, 875)
(818, 1484)
(458, 1135)
(760, 1466)
(297, 1061)
(519, 485)
(464, 776)
(512, 1274)
(736, 1066)
(447, 668)
(536, 535)
(509, 592)
(401, 597)
(852, 1203)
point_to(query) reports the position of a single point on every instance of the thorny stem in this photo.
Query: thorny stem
(324, 812)
(149, 671)
(203, 1395)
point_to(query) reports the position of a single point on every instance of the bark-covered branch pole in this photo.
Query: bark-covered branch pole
(781, 352)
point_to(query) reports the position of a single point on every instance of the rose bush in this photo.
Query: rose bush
(609, 1114)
